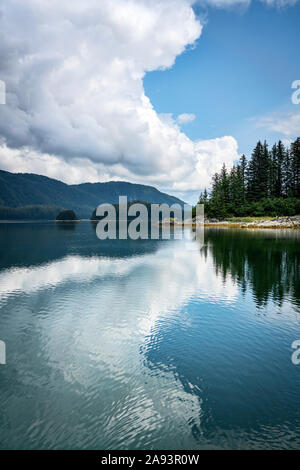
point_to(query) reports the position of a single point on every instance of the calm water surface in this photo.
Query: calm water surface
(148, 344)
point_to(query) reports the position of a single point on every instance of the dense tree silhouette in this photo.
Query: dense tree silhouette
(267, 184)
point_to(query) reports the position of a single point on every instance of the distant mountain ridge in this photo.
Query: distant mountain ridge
(28, 189)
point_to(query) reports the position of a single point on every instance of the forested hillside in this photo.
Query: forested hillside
(25, 189)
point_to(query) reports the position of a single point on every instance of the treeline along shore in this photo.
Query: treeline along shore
(263, 190)
(268, 184)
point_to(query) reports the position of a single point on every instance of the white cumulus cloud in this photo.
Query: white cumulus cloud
(246, 3)
(185, 118)
(224, 3)
(287, 123)
(76, 106)
(280, 3)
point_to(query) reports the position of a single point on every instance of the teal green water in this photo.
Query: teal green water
(148, 344)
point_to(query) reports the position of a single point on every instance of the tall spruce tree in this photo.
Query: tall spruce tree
(287, 174)
(273, 171)
(243, 169)
(237, 190)
(280, 156)
(254, 176)
(224, 185)
(295, 167)
(264, 172)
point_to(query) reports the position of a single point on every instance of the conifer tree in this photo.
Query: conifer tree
(264, 172)
(243, 168)
(280, 156)
(254, 177)
(287, 174)
(273, 171)
(295, 167)
(224, 185)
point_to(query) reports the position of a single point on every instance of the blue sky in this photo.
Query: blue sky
(240, 71)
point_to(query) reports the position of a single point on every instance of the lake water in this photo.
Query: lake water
(148, 344)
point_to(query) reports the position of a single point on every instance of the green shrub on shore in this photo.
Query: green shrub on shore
(66, 215)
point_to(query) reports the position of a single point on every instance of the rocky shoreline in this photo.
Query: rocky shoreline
(278, 222)
(292, 222)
